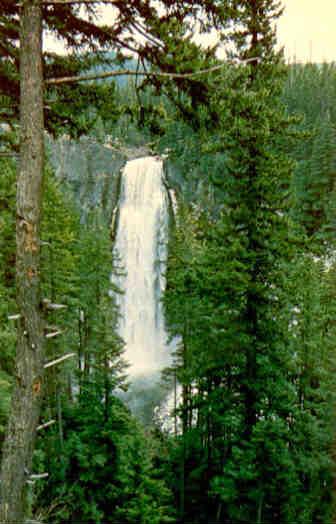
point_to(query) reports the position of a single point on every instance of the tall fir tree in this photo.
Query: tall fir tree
(226, 298)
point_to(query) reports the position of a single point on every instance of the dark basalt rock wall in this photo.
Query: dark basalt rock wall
(91, 170)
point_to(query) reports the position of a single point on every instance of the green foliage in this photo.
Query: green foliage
(249, 301)
(249, 311)
(310, 93)
(99, 464)
(103, 475)
(7, 287)
(158, 35)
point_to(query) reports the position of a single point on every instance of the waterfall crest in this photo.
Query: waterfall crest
(141, 244)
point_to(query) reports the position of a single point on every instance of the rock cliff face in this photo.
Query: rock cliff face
(91, 171)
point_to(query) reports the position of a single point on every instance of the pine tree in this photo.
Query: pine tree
(63, 20)
(310, 93)
(239, 402)
(25, 407)
(157, 37)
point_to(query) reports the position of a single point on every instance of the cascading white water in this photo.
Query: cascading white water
(141, 244)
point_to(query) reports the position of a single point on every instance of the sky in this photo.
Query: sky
(307, 30)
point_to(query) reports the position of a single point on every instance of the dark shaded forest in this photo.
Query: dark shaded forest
(250, 155)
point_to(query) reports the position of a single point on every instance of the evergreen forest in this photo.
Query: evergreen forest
(248, 144)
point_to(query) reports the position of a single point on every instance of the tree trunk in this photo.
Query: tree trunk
(20, 436)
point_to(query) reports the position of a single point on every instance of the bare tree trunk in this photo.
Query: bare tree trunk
(20, 436)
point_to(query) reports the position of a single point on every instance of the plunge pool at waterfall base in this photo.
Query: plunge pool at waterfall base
(148, 398)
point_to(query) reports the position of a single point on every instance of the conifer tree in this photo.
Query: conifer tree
(156, 36)
(25, 408)
(239, 405)
(29, 60)
(310, 93)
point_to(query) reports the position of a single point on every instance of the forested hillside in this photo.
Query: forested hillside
(249, 149)
(257, 425)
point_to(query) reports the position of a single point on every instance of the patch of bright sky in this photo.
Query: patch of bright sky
(306, 30)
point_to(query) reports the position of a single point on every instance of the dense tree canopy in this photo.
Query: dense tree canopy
(158, 36)
(250, 277)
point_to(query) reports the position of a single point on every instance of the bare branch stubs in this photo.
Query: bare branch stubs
(59, 360)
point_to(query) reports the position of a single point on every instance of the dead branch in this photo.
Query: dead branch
(47, 304)
(46, 425)
(58, 360)
(127, 72)
(54, 334)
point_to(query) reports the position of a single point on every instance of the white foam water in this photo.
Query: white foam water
(141, 244)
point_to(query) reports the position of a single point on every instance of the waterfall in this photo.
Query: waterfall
(141, 244)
